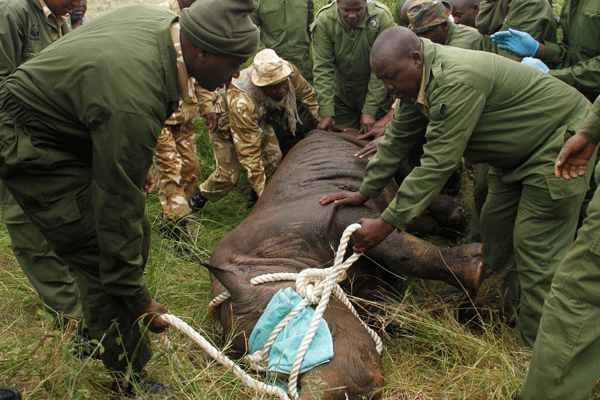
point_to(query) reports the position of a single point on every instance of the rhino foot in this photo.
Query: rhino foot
(466, 266)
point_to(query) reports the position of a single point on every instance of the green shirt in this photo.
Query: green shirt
(341, 58)
(24, 32)
(99, 97)
(463, 36)
(577, 57)
(490, 110)
(285, 27)
(532, 16)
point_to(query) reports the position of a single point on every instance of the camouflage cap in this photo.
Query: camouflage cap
(221, 27)
(426, 14)
(269, 68)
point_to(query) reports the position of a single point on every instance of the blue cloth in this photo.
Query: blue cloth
(535, 63)
(285, 347)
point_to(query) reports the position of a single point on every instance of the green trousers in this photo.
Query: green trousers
(348, 107)
(49, 275)
(566, 355)
(536, 227)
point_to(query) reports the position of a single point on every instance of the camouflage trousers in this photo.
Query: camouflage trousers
(176, 168)
(229, 152)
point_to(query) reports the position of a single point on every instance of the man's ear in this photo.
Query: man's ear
(201, 55)
(416, 58)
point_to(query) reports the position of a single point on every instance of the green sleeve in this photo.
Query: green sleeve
(402, 133)
(122, 148)
(12, 37)
(377, 94)
(590, 129)
(453, 114)
(323, 67)
(583, 76)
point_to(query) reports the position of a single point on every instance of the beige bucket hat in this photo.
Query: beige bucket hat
(269, 68)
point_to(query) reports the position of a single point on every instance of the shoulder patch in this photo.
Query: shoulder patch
(373, 23)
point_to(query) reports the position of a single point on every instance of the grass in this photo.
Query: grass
(429, 355)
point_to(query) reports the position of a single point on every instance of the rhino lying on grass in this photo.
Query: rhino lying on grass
(289, 231)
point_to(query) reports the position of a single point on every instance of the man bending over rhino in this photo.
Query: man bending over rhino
(254, 122)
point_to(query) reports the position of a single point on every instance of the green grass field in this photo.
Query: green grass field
(430, 355)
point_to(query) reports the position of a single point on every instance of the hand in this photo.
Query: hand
(377, 131)
(211, 120)
(366, 123)
(518, 42)
(371, 233)
(152, 317)
(573, 158)
(535, 63)
(346, 198)
(325, 123)
(148, 183)
(369, 150)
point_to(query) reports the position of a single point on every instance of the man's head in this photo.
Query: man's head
(397, 59)
(271, 73)
(429, 19)
(62, 7)
(78, 12)
(217, 37)
(352, 11)
(465, 11)
(404, 12)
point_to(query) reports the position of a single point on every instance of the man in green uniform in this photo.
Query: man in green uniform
(26, 28)
(566, 355)
(347, 91)
(464, 12)
(285, 27)
(482, 109)
(259, 119)
(78, 128)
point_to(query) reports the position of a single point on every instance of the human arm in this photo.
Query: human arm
(12, 36)
(323, 66)
(305, 93)
(151, 316)
(378, 128)
(206, 104)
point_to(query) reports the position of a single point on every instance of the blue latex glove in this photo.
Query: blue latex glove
(535, 63)
(518, 42)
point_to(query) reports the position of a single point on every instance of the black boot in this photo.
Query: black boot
(197, 202)
(252, 199)
(83, 345)
(138, 384)
(9, 394)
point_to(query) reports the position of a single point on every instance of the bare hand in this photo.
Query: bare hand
(377, 131)
(371, 233)
(369, 150)
(573, 158)
(346, 198)
(325, 123)
(152, 317)
(366, 123)
(211, 120)
(148, 183)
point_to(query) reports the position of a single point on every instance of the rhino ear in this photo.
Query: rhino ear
(229, 279)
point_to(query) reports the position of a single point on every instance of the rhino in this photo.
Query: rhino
(289, 231)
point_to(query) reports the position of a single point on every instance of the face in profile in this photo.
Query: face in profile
(213, 71)
(352, 11)
(62, 7)
(464, 12)
(400, 75)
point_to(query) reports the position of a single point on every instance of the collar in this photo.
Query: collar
(54, 20)
(421, 101)
(183, 88)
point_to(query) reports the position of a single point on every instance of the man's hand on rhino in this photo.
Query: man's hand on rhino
(573, 158)
(369, 150)
(366, 123)
(325, 124)
(148, 183)
(377, 131)
(211, 120)
(371, 233)
(152, 319)
(344, 198)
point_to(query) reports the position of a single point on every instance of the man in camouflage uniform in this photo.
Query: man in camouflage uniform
(26, 28)
(258, 110)
(176, 164)
(347, 91)
(285, 28)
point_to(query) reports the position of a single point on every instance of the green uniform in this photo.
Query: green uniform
(577, 57)
(506, 114)
(345, 86)
(26, 28)
(532, 16)
(398, 12)
(463, 36)
(285, 27)
(86, 129)
(566, 355)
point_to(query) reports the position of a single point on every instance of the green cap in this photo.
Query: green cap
(426, 14)
(221, 27)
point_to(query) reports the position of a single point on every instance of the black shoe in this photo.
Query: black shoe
(83, 345)
(139, 384)
(252, 199)
(197, 202)
(175, 230)
(9, 394)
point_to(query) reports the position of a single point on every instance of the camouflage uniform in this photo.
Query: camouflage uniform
(245, 136)
(176, 163)
(26, 28)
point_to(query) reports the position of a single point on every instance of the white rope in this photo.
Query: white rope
(315, 285)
